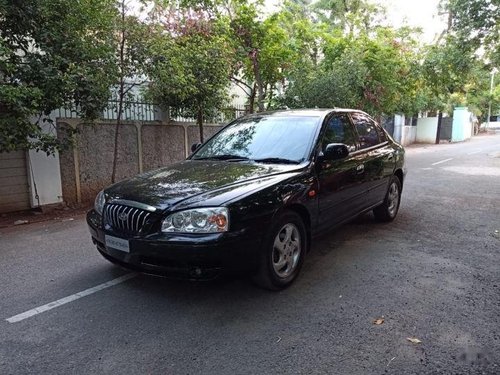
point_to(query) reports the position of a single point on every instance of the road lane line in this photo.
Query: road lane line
(474, 152)
(68, 299)
(442, 161)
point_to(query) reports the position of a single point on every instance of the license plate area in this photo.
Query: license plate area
(117, 243)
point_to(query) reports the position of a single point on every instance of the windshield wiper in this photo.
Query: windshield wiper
(226, 157)
(277, 161)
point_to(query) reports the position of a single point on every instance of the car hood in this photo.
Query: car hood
(200, 182)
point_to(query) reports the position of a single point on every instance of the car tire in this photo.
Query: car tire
(388, 210)
(283, 252)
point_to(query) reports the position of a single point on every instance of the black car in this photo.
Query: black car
(252, 197)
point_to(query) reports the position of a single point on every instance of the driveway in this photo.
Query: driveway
(432, 276)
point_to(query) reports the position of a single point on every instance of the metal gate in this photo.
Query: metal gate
(388, 124)
(14, 188)
(446, 128)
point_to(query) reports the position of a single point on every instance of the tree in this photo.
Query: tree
(50, 59)
(376, 73)
(190, 66)
(249, 34)
(476, 23)
(350, 16)
(269, 50)
(130, 56)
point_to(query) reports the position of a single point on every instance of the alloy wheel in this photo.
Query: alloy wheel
(287, 248)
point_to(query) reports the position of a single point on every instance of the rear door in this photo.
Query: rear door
(340, 182)
(377, 158)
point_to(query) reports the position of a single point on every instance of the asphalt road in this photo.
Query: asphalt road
(433, 275)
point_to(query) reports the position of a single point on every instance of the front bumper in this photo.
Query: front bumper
(186, 256)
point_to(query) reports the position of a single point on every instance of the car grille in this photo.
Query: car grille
(125, 219)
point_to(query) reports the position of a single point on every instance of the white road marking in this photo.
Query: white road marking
(442, 161)
(68, 299)
(474, 152)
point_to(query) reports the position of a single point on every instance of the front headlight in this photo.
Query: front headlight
(100, 200)
(200, 220)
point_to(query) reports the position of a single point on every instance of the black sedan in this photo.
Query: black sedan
(252, 197)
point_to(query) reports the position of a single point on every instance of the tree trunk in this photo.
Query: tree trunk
(251, 99)
(121, 94)
(199, 120)
(115, 150)
(271, 91)
(258, 79)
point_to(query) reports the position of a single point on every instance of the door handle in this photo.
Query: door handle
(360, 168)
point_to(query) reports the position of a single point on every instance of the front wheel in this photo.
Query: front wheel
(283, 253)
(388, 210)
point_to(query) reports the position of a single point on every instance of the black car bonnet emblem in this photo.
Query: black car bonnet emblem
(123, 216)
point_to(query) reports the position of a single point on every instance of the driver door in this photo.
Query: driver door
(340, 181)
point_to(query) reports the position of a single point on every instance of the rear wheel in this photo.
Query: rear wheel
(388, 210)
(283, 253)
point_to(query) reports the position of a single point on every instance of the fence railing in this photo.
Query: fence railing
(218, 116)
(145, 111)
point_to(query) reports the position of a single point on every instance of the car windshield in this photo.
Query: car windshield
(271, 139)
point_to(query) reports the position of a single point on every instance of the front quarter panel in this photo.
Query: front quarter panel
(258, 209)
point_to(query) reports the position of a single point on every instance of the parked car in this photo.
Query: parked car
(252, 197)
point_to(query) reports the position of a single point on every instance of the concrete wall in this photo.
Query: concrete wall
(463, 127)
(44, 173)
(142, 146)
(408, 135)
(399, 121)
(162, 145)
(404, 134)
(426, 130)
(95, 146)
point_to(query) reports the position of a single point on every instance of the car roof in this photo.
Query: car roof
(316, 112)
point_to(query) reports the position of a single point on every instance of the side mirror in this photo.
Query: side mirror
(335, 151)
(195, 146)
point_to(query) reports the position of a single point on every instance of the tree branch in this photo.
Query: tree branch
(132, 85)
(240, 82)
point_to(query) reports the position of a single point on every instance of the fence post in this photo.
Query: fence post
(186, 140)
(76, 160)
(138, 126)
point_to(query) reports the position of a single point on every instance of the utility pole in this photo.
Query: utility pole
(491, 93)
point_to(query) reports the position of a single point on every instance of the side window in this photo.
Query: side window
(381, 133)
(339, 130)
(367, 130)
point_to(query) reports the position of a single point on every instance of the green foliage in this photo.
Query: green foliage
(378, 74)
(351, 16)
(446, 68)
(477, 23)
(325, 54)
(49, 58)
(190, 67)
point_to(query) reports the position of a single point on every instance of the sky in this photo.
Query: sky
(420, 13)
(416, 13)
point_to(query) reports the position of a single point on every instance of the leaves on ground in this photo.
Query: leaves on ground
(379, 321)
(414, 340)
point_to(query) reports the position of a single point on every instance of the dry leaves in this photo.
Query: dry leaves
(414, 340)
(378, 321)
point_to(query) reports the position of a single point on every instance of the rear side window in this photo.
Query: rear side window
(381, 133)
(339, 130)
(367, 130)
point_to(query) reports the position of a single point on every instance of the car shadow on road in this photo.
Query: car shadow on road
(320, 260)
